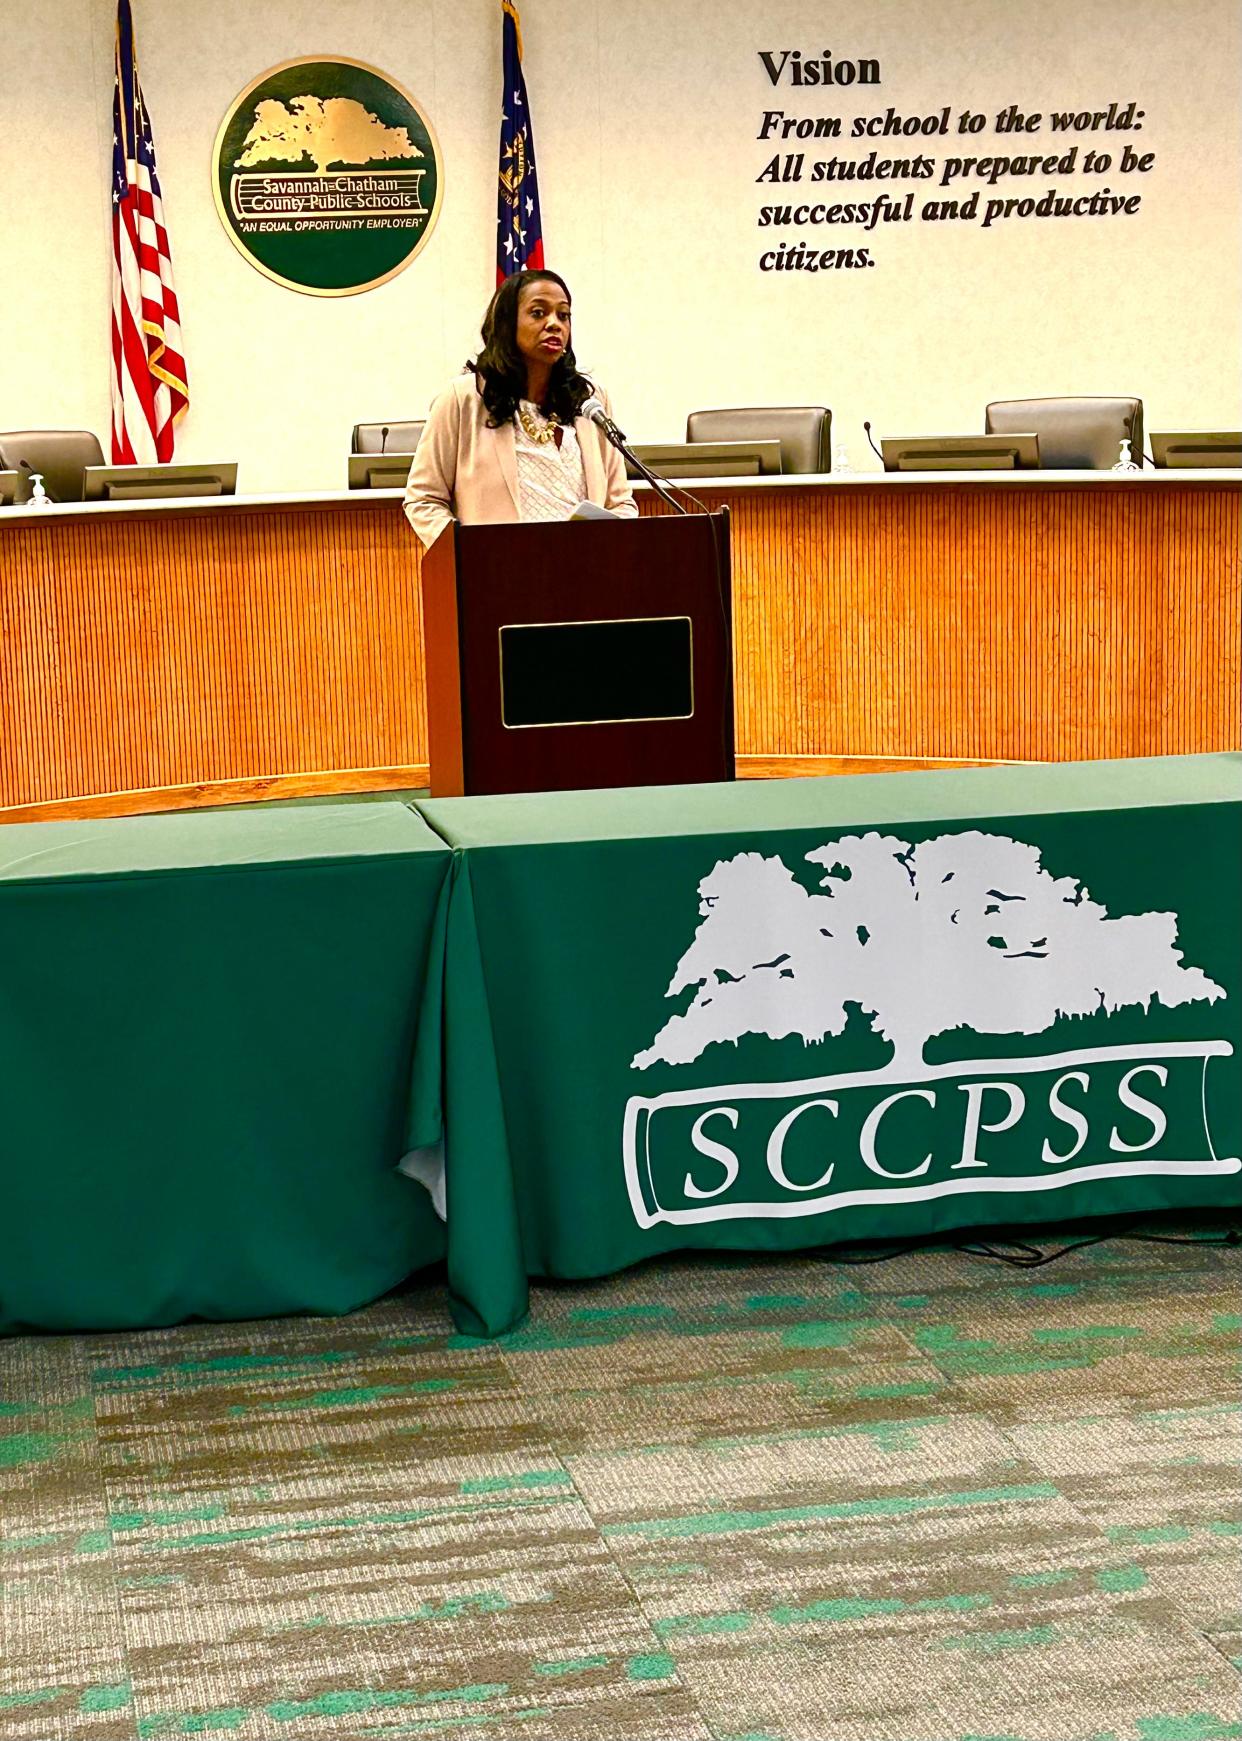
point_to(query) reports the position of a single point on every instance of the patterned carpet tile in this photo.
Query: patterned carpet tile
(62, 1658)
(798, 1398)
(712, 1498)
(102, 1712)
(1115, 1266)
(478, 1614)
(352, 1569)
(1229, 1644)
(690, 1295)
(1108, 1678)
(835, 1464)
(891, 1573)
(63, 1664)
(1166, 1485)
(640, 1712)
(701, 1284)
(628, 1351)
(992, 1559)
(285, 1448)
(1108, 1275)
(316, 1352)
(1063, 1349)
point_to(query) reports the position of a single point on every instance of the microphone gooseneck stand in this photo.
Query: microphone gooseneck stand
(663, 487)
(28, 472)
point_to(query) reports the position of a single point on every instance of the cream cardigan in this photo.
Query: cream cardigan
(464, 470)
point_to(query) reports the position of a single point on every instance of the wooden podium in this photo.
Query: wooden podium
(578, 654)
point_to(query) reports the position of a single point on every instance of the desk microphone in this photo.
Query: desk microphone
(384, 438)
(593, 408)
(24, 465)
(875, 450)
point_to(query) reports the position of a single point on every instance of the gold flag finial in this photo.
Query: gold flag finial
(509, 7)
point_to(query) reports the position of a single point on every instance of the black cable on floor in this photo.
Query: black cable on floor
(835, 1256)
(1034, 1258)
(1020, 1254)
(1231, 1236)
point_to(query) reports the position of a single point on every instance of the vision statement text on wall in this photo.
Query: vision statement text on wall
(1015, 165)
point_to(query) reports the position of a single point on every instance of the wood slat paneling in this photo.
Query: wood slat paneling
(984, 623)
(907, 624)
(144, 652)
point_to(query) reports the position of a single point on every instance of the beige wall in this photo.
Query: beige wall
(645, 120)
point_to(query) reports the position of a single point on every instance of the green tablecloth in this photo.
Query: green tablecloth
(207, 1035)
(778, 1015)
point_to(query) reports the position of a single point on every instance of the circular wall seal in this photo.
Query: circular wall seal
(327, 175)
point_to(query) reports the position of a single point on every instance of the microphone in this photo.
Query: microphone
(24, 465)
(384, 438)
(593, 408)
(875, 450)
(1141, 457)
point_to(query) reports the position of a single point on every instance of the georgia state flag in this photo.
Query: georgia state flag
(519, 227)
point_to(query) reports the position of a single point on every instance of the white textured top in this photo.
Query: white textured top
(551, 481)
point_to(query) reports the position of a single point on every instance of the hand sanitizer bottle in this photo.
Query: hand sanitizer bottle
(841, 458)
(38, 497)
(1125, 460)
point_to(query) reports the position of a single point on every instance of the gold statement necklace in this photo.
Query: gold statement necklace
(541, 433)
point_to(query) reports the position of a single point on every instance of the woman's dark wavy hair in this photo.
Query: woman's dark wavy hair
(500, 367)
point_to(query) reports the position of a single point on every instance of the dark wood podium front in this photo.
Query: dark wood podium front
(579, 654)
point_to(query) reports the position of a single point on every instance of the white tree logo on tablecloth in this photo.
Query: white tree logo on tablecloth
(966, 930)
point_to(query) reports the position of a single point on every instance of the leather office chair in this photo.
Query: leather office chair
(401, 437)
(804, 432)
(62, 455)
(1074, 434)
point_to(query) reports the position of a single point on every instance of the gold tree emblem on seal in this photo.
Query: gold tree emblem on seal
(513, 168)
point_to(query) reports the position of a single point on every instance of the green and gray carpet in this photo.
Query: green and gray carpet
(929, 1500)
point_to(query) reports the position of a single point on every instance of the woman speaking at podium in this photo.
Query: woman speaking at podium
(506, 441)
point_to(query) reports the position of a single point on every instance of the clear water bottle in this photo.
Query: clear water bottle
(1125, 459)
(841, 458)
(38, 497)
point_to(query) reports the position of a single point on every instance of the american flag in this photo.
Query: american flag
(149, 391)
(519, 228)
